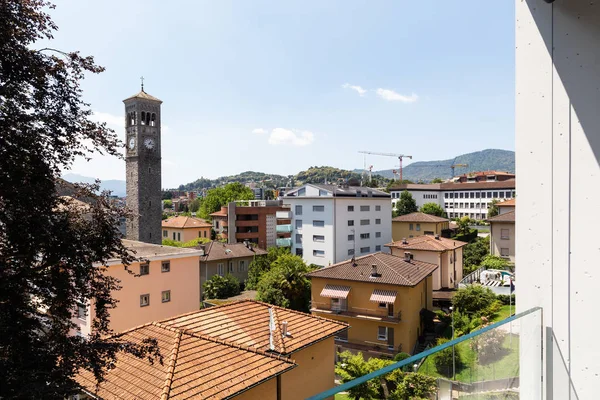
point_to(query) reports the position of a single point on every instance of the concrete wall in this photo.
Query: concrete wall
(401, 230)
(265, 391)
(557, 161)
(497, 243)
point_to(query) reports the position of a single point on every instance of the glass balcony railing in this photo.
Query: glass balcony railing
(284, 242)
(284, 228)
(498, 361)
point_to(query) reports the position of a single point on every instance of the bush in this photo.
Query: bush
(410, 385)
(494, 262)
(489, 346)
(221, 287)
(473, 299)
(468, 236)
(505, 299)
(443, 359)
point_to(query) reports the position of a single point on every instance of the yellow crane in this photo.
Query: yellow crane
(399, 156)
(457, 165)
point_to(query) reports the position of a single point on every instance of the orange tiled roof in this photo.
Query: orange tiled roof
(419, 217)
(505, 217)
(246, 323)
(214, 251)
(508, 203)
(392, 270)
(182, 222)
(194, 366)
(427, 243)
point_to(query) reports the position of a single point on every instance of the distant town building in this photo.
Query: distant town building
(417, 224)
(470, 199)
(502, 231)
(335, 223)
(380, 296)
(184, 229)
(485, 176)
(266, 223)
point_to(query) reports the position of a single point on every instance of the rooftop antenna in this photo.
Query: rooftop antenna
(142, 79)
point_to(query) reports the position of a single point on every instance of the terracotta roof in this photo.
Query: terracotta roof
(505, 217)
(194, 365)
(222, 251)
(485, 173)
(419, 217)
(143, 95)
(185, 222)
(507, 203)
(427, 243)
(392, 270)
(219, 213)
(246, 323)
(154, 251)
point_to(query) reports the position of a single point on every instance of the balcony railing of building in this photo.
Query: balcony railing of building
(360, 313)
(283, 215)
(284, 228)
(284, 242)
(500, 360)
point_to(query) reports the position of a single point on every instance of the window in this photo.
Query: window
(318, 208)
(365, 235)
(502, 195)
(377, 208)
(298, 224)
(483, 195)
(504, 252)
(174, 236)
(317, 223)
(382, 333)
(299, 251)
(144, 269)
(378, 248)
(445, 195)
(165, 266)
(323, 193)
(472, 195)
(461, 195)
(220, 269)
(418, 227)
(446, 205)
(81, 311)
(166, 296)
(365, 249)
(319, 253)
(298, 238)
(350, 222)
(377, 234)
(476, 195)
(383, 305)
(318, 238)
(302, 192)
(472, 205)
(365, 221)
(350, 252)
(350, 208)
(242, 266)
(230, 267)
(410, 227)
(350, 237)
(144, 300)
(365, 208)
(451, 195)
(495, 195)
(165, 233)
(378, 221)
(298, 210)
(504, 234)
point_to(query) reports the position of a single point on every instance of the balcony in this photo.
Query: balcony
(365, 315)
(283, 215)
(284, 242)
(246, 222)
(284, 228)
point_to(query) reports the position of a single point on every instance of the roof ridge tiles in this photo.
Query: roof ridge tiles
(392, 269)
(171, 367)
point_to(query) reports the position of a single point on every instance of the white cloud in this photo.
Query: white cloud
(281, 136)
(361, 92)
(390, 95)
(113, 121)
(259, 131)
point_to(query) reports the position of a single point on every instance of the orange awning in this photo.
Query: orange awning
(383, 296)
(335, 291)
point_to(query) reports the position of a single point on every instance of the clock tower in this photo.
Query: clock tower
(143, 166)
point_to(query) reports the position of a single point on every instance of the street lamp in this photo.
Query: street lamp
(415, 367)
(453, 362)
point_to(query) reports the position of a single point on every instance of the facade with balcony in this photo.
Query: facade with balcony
(380, 296)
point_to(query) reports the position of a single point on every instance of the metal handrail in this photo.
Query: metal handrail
(386, 370)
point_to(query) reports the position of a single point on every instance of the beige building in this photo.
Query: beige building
(242, 350)
(502, 234)
(184, 229)
(417, 224)
(222, 258)
(164, 284)
(447, 254)
(380, 296)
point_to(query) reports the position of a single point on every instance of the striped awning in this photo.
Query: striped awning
(383, 296)
(335, 291)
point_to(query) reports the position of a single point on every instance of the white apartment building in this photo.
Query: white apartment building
(333, 223)
(471, 199)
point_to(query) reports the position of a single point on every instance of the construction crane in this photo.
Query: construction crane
(457, 165)
(399, 156)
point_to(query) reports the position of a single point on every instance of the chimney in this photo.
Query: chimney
(374, 270)
(404, 241)
(407, 256)
(284, 327)
(246, 243)
(437, 237)
(203, 249)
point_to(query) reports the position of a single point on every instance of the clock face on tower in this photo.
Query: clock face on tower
(149, 143)
(131, 143)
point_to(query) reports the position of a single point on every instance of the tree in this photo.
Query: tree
(473, 299)
(221, 287)
(436, 180)
(168, 204)
(194, 205)
(261, 264)
(494, 262)
(489, 345)
(51, 252)
(444, 359)
(463, 224)
(221, 196)
(286, 284)
(493, 209)
(411, 386)
(406, 204)
(269, 194)
(351, 366)
(475, 252)
(432, 209)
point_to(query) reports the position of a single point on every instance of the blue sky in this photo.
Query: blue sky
(279, 86)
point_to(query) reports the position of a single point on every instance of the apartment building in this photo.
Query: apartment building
(458, 199)
(184, 229)
(485, 176)
(417, 224)
(274, 354)
(334, 223)
(167, 284)
(224, 258)
(502, 234)
(266, 223)
(380, 296)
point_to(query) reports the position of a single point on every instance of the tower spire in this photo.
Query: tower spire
(142, 79)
